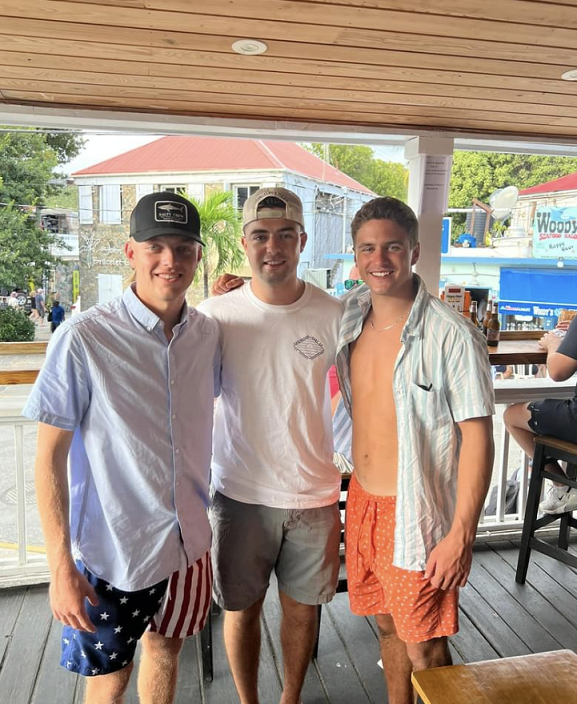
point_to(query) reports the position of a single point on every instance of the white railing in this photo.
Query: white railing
(506, 393)
(22, 563)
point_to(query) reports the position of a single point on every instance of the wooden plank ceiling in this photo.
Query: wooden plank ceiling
(490, 67)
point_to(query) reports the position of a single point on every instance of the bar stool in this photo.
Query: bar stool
(546, 448)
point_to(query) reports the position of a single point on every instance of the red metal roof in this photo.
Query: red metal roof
(189, 154)
(565, 183)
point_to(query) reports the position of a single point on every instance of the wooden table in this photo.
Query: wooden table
(511, 352)
(545, 678)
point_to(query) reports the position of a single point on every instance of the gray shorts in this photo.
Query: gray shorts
(250, 540)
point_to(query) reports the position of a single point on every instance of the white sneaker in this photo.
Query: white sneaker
(559, 499)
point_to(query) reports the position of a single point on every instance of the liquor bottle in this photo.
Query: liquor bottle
(494, 327)
(473, 314)
(487, 317)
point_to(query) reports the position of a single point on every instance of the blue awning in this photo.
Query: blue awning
(541, 293)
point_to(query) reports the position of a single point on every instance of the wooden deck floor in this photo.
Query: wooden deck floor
(498, 619)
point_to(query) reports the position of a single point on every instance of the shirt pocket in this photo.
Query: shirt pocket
(428, 405)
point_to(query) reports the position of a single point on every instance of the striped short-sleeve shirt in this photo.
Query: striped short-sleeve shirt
(442, 376)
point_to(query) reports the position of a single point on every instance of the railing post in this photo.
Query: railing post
(503, 467)
(523, 488)
(20, 494)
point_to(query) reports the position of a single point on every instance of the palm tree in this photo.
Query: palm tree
(220, 229)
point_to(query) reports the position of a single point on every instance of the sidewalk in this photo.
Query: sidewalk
(42, 333)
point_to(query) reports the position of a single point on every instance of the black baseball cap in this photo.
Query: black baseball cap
(164, 213)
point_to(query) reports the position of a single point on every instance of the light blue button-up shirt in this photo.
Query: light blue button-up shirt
(441, 377)
(141, 410)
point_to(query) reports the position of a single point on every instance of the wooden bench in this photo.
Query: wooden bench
(545, 678)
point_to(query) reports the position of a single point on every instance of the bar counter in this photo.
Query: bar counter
(512, 352)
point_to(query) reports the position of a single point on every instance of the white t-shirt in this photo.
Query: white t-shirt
(273, 442)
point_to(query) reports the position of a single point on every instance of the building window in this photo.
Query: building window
(110, 205)
(143, 189)
(196, 191)
(329, 203)
(181, 190)
(109, 287)
(85, 204)
(241, 193)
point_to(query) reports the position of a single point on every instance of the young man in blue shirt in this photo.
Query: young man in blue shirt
(126, 397)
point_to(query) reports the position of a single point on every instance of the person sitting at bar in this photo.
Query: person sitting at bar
(550, 416)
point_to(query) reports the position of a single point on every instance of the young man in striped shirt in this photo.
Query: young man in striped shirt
(416, 379)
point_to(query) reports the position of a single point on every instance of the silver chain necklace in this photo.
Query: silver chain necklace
(388, 327)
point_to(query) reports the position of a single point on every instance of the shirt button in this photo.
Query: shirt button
(171, 382)
(177, 451)
(177, 483)
(149, 329)
(174, 416)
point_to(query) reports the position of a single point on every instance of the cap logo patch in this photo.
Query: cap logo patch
(170, 211)
(266, 213)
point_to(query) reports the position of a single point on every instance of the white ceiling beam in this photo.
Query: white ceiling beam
(110, 121)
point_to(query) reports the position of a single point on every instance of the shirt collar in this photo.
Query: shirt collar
(414, 324)
(144, 315)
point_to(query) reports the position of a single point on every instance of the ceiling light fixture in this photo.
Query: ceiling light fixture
(570, 75)
(249, 47)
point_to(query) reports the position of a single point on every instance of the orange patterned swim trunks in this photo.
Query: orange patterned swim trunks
(420, 611)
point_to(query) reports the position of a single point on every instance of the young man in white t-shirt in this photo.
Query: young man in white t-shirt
(276, 488)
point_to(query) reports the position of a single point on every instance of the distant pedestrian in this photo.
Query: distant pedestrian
(33, 311)
(57, 315)
(40, 307)
(13, 300)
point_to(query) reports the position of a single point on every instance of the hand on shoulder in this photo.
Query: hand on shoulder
(226, 283)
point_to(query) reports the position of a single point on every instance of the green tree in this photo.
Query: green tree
(24, 249)
(63, 197)
(478, 174)
(15, 326)
(66, 145)
(28, 158)
(220, 229)
(358, 161)
(26, 166)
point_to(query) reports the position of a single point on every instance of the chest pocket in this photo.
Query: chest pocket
(428, 404)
